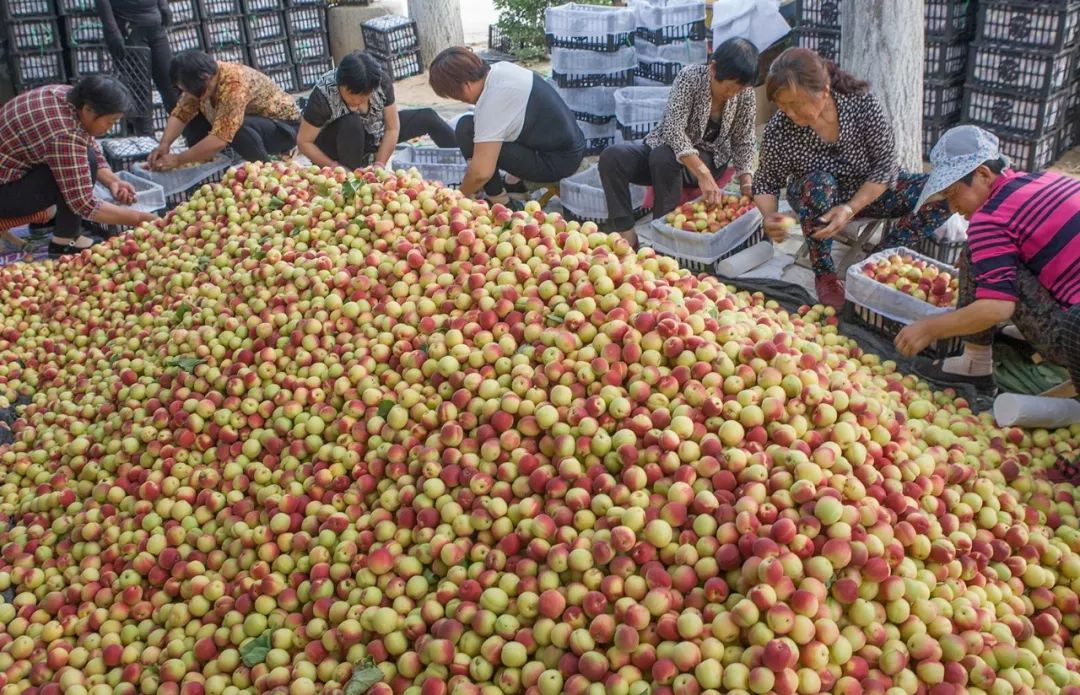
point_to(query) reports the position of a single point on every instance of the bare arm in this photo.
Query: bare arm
(393, 128)
(481, 166)
(305, 141)
(972, 319)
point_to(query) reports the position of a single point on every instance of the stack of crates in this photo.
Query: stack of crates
(1021, 73)
(592, 47)
(303, 20)
(185, 32)
(224, 32)
(639, 109)
(669, 36)
(84, 39)
(817, 27)
(950, 25)
(394, 42)
(268, 41)
(33, 43)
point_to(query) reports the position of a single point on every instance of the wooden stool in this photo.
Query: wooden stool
(550, 190)
(858, 235)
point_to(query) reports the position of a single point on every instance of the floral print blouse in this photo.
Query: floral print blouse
(241, 91)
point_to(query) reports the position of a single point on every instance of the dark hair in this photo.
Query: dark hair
(191, 70)
(102, 95)
(359, 73)
(453, 68)
(736, 59)
(996, 166)
(802, 68)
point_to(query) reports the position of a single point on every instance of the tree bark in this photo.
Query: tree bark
(883, 43)
(438, 22)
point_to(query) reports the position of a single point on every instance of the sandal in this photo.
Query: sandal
(70, 247)
(933, 371)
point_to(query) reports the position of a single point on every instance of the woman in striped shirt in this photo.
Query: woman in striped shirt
(1022, 261)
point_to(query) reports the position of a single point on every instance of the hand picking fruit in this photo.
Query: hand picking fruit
(914, 276)
(697, 216)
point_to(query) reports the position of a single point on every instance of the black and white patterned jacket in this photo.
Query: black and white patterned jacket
(687, 116)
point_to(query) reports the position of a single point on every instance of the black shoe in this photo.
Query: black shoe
(56, 250)
(932, 371)
(518, 187)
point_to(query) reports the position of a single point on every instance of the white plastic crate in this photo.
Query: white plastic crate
(434, 163)
(583, 195)
(180, 180)
(576, 20)
(635, 105)
(703, 248)
(571, 61)
(888, 301)
(640, 81)
(149, 196)
(656, 14)
(597, 103)
(685, 52)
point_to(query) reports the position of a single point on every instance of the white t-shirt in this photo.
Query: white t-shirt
(500, 110)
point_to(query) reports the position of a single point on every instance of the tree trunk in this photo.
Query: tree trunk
(438, 22)
(883, 43)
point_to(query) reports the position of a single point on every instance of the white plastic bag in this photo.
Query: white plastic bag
(889, 301)
(758, 21)
(954, 229)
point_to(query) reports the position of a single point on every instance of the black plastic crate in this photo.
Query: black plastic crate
(25, 9)
(183, 38)
(694, 31)
(593, 118)
(1068, 137)
(611, 43)
(635, 131)
(74, 7)
(209, 9)
(253, 6)
(659, 70)
(160, 118)
(1047, 25)
(1026, 116)
(285, 78)
(222, 32)
(33, 36)
(184, 11)
(308, 47)
(932, 131)
(824, 42)
(265, 27)
(949, 19)
(269, 55)
(89, 60)
(944, 60)
(35, 69)
(305, 20)
(498, 41)
(594, 146)
(228, 54)
(1021, 70)
(390, 35)
(621, 78)
(1026, 153)
(401, 66)
(947, 252)
(888, 328)
(122, 152)
(319, 3)
(823, 14)
(82, 30)
(943, 100)
(307, 74)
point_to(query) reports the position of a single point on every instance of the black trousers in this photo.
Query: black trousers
(637, 163)
(257, 139)
(345, 140)
(153, 36)
(37, 191)
(520, 161)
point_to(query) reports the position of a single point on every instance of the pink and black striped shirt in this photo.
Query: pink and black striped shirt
(1033, 219)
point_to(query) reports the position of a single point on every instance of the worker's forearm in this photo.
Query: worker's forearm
(767, 204)
(110, 213)
(868, 193)
(973, 319)
(386, 147)
(316, 155)
(696, 166)
(174, 127)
